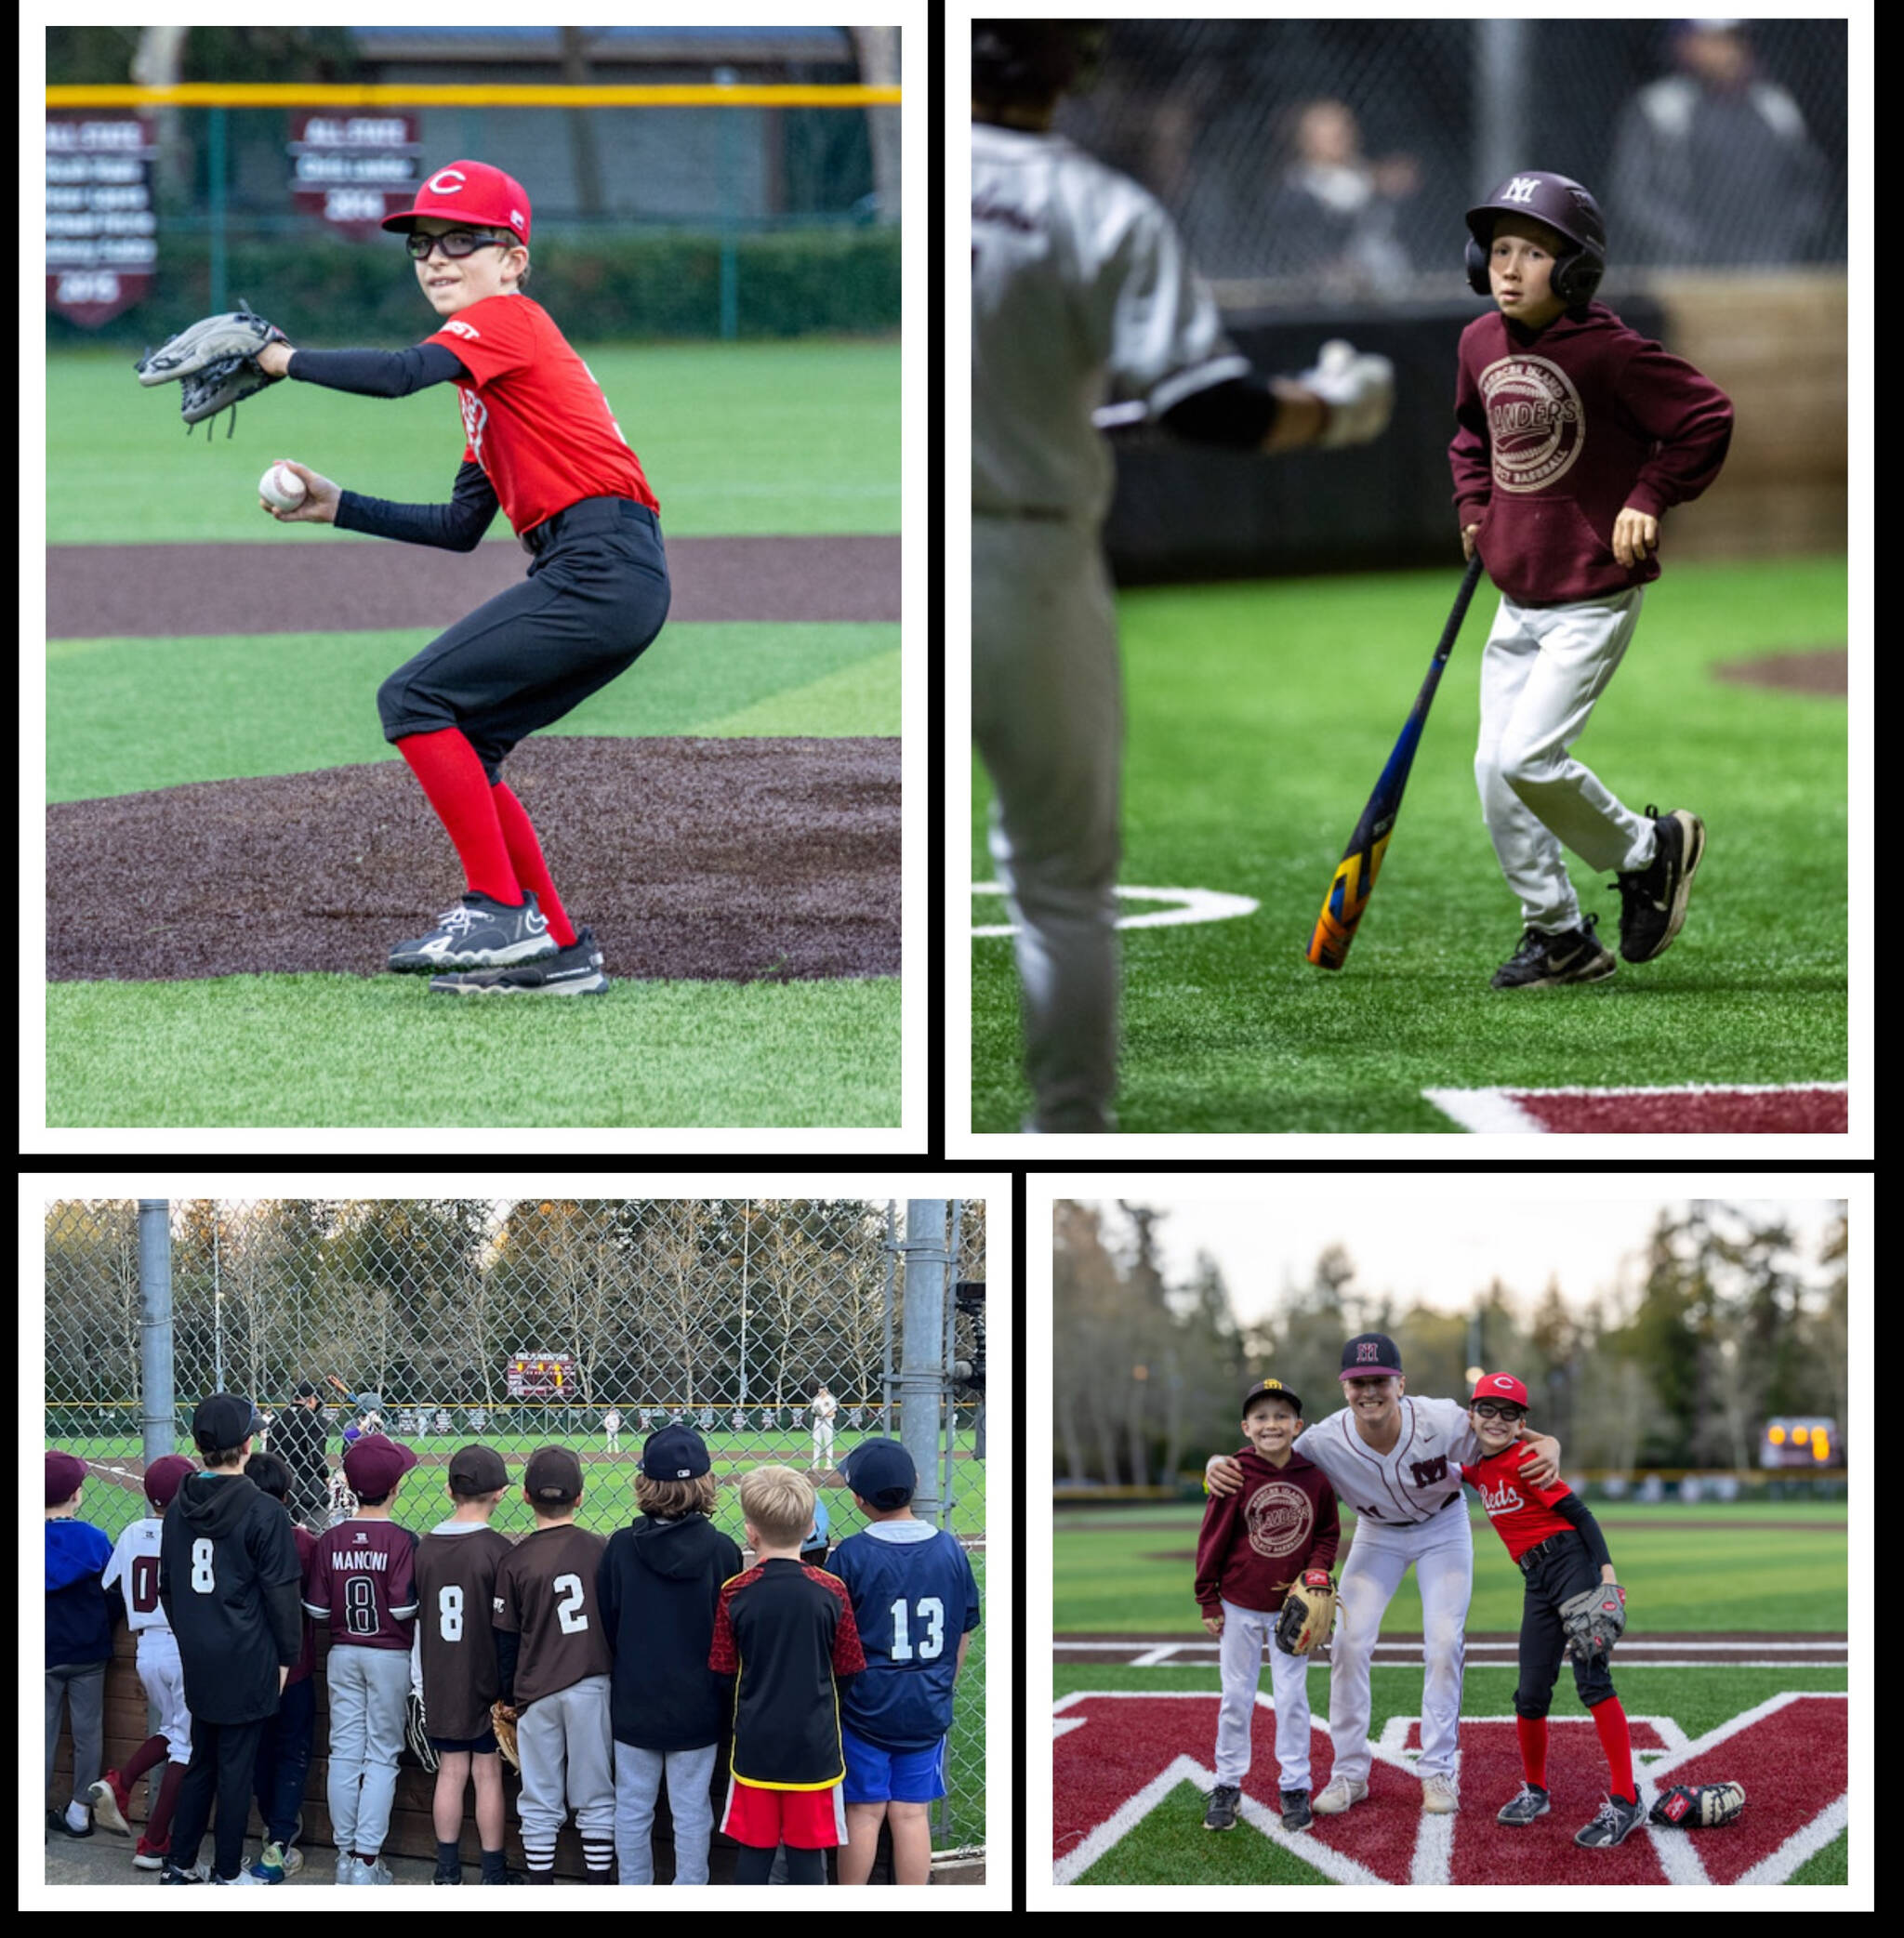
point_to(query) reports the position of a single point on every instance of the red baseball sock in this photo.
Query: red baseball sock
(452, 777)
(1610, 1719)
(1532, 1732)
(525, 857)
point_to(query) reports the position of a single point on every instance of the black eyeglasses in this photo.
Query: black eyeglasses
(1487, 1410)
(458, 243)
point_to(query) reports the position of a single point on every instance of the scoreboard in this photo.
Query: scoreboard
(542, 1376)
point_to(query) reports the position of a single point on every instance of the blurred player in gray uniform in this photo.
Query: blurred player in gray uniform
(1081, 297)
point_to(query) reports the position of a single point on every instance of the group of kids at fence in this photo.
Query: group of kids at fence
(621, 1662)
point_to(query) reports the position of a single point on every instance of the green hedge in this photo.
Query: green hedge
(599, 288)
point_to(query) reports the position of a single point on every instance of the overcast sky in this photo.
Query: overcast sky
(1438, 1243)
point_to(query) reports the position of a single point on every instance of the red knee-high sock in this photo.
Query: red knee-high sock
(525, 857)
(452, 777)
(1616, 1740)
(1532, 1732)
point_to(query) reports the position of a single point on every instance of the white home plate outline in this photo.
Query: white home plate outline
(1495, 1111)
(1193, 905)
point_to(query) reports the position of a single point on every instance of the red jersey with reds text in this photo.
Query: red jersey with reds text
(535, 420)
(1523, 1516)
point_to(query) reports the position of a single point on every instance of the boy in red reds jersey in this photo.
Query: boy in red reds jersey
(1558, 1547)
(541, 441)
(786, 1631)
(361, 1581)
(1576, 435)
(1255, 1542)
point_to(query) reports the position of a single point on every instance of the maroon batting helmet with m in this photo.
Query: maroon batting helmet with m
(1563, 204)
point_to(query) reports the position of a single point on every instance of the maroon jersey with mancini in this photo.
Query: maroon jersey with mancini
(1560, 429)
(362, 1579)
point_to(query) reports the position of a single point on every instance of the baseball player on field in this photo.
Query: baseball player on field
(1573, 1607)
(824, 1406)
(1279, 1529)
(541, 441)
(1396, 1462)
(611, 1428)
(1575, 436)
(1081, 296)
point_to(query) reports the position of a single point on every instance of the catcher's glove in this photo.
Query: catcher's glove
(1594, 1621)
(415, 1734)
(215, 362)
(502, 1720)
(1698, 1806)
(1308, 1614)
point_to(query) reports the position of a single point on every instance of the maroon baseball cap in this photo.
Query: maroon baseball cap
(375, 1465)
(165, 1477)
(64, 1474)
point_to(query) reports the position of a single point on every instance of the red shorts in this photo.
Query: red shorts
(803, 1820)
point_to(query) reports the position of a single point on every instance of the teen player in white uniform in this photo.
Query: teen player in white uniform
(1081, 293)
(1396, 1462)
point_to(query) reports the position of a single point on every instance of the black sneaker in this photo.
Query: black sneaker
(1297, 1814)
(1222, 1813)
(1545, 961)
(1652, 900)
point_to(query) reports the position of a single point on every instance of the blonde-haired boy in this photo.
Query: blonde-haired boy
(785, 1631)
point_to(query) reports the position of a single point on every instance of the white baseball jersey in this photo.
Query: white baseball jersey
(1080, 291)
(135, 1567)
(1410, 1515)
(1414, 1480)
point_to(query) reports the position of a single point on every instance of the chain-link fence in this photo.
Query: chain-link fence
(784, 1331)
(1313, 159)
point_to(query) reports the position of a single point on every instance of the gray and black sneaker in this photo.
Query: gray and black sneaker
(575, 970)
(1652, 900)
(1545, 961)
(1222, 1813)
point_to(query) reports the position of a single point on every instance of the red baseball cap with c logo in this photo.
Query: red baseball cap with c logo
(471, 192)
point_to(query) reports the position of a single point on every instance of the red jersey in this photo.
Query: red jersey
(535, 420)
(1522, 1515)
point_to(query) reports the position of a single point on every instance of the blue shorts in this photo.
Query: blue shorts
(877, 1775)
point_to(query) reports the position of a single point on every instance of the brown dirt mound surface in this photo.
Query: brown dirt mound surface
(1826, 671)
(725, 860)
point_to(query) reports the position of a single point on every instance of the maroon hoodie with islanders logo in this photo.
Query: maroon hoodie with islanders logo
(1560, 430)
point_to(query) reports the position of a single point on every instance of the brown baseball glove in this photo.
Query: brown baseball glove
(1308, 1614)
(502, 1720)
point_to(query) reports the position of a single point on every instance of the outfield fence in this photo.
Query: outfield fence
(524, 1321)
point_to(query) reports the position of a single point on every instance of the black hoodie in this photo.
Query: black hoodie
(659, 1585)
(228, 1582)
